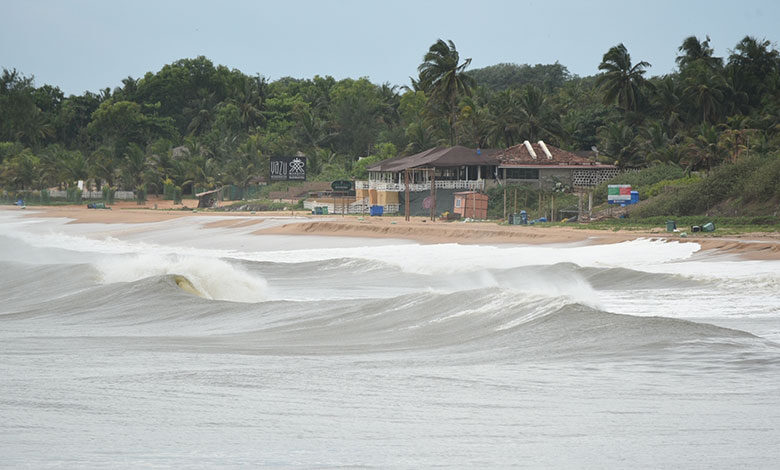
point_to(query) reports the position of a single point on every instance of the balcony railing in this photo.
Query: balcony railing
(417, 187)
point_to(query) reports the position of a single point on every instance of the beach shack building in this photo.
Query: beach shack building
(546, 165)
(448, 169)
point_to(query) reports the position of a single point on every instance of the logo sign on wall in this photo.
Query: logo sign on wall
(288, 169)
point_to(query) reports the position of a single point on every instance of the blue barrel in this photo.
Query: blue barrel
(634, 197)
(376, 211)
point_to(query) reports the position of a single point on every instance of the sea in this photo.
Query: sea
(185, 344)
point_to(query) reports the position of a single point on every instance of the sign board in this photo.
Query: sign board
(288, 169)
(341, 185)
(618, 193)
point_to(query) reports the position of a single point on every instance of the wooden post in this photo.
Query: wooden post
(552, 207)
(504, 202)
(433, 194)
(474, 205)
(579, 206)
(590, 204)
(540, 202)
(515, 212)
(406, 192)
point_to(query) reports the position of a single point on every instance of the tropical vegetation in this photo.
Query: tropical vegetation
(194, 124)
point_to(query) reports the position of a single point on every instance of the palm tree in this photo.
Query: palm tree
(506, 119)
(621, 82)
(250, 100)
(537, 121)
(134, 166)
(619, 142)
(707, 148)
(104, 164)
(697, 51)
(706, 90)
(442, 71)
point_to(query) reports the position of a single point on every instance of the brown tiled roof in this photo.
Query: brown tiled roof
(438, 157)
(519, 155)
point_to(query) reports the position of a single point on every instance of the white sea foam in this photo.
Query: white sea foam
(213, 278)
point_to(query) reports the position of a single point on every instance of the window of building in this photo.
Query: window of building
(521, 174)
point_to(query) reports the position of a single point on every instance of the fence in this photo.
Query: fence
(121, 195)
(45, 196)
(357, 207)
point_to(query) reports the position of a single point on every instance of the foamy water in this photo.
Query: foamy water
(175, 345)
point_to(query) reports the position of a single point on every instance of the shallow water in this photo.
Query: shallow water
(174, 345)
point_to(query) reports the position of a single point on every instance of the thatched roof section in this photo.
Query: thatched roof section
(521, 155)
(437, 158)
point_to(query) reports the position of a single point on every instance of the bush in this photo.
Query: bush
(663, 186)
(108, 194)
(640, 180)
(750, 180)
(73, 195)
(168, 189)
(140, 195)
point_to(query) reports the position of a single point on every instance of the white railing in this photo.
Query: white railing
(418, 187)
(121, 195)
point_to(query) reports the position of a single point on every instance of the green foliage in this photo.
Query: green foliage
(547, 77)
(168, 188)
(383, 152)
(664, 185)
(140, 194)
(108, 194)
(73, 194)
(640, 180)
(193, 124)
(746, 182)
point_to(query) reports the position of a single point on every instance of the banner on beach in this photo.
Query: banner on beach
(288, 169)
(619, 192)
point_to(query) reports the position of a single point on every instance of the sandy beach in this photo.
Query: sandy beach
(756, 246)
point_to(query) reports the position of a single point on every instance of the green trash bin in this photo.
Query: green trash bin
(671, 225)
(325, 210)
(708, 227)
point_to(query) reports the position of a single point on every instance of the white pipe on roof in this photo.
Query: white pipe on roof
(530, 149)
(545, 149)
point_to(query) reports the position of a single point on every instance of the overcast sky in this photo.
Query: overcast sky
(83, 45)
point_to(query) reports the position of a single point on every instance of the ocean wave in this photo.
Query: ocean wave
(211, 278)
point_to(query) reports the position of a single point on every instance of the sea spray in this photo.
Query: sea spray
(210, 277)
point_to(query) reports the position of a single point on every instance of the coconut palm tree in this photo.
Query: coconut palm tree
(694, 51)
(445, 74)
(619, 142)
(537, 120)
(622, 82)
(706, 90)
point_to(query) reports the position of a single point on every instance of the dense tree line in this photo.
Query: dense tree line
(197, 125)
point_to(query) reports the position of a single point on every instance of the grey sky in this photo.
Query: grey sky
(91, 44)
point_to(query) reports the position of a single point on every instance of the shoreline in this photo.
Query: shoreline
(752, 246)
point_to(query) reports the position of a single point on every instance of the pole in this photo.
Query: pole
(433, 194)
(590, 204)
(504, 202)
(552, 207)
(515, 212)
(406, 192)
